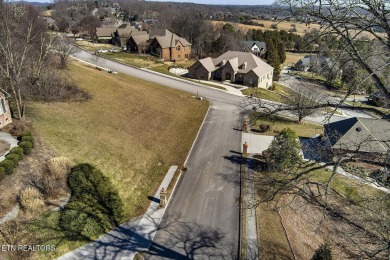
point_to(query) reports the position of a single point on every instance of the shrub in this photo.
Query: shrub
(59, 167)
(8, 166)
(94, 206)
(323, 253)
(14, 158)
(17, 130)
(31, 200)
(272, 88)
(26, 133)
(26, 146)
(2, 173)
(19, 151)
(28, 138)
(264, 127)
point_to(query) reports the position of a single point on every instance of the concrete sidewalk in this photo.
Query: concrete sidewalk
(256, 143)
(125, 241)
(230, 89)
(9, 139)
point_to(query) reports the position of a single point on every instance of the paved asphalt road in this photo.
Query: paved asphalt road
(202, 220)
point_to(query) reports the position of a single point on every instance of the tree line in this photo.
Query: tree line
(31, 59)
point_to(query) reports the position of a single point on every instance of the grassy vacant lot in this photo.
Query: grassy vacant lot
(278, 123)
(131, 129)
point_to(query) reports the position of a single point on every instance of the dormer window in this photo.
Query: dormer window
(243, 66)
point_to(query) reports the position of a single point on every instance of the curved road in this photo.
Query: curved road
(202, 219)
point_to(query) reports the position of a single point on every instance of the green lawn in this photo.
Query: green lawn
(278, 123)
(374, 108)
(319, 78)
(263, 94)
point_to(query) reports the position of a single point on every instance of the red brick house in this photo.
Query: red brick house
(169, 46)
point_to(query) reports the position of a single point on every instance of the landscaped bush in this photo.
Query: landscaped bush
(26, 146)
(18, 151)
(31, 200)
(14, 158)
(94, 207)
(28, 138)
(59, 167)
(264, 127)
(8, 166)
(26, 133)
(2, 174)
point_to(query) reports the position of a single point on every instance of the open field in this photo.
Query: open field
(279, 123)
(132, 130)
(302, 29)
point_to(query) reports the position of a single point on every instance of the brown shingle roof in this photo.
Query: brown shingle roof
(105, 31)
(208, 64)
(138, 39)
(252, 62)
(170, 40)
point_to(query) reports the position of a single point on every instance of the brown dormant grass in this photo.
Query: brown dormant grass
(31, 200)
(59, 167)
(302, 28)
(131, 129)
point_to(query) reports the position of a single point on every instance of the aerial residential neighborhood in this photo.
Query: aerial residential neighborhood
(193, 130)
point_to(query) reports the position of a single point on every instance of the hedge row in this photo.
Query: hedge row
(16, 154)
(95, 205)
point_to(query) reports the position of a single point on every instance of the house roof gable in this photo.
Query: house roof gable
(360, 134)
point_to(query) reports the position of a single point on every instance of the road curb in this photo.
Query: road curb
(160, 74)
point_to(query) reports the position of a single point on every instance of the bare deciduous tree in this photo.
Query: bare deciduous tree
(63, 49)
(353, 23)
(24, 50)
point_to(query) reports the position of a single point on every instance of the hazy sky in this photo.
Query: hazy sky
(215, 2)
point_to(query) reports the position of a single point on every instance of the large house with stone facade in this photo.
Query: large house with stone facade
(235, 66)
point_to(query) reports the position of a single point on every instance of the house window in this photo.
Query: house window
(189, 48)
(186, 56)
(178, 56)
(178, 48)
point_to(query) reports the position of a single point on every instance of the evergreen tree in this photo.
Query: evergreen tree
(273, 59)
(94, 206)
(284, 151)
(323, 253)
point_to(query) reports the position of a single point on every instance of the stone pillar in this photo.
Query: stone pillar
(163, 198)
(244, 126)
(245, 148)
